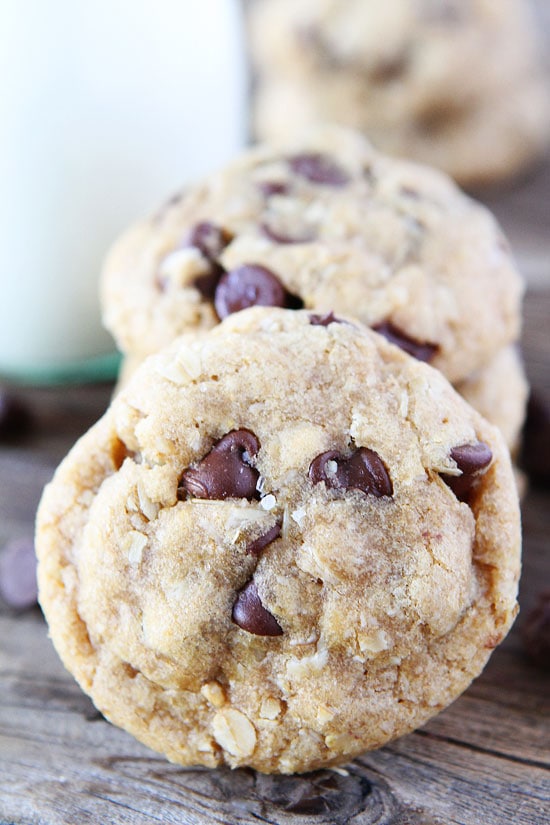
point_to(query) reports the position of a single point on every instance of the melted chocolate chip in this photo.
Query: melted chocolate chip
(318, 168)
(262, 542)
(390, 70)
(536, 632)
(209, 238)
(270, 188)
(225, 472)
(363, 470)
(250, 614)
(324, 320)
(247, 286)
(473, 460)
(208, 283)
(283, 237)
(421, 350)
(18, 585)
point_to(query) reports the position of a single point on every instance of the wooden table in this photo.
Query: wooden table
(484, 760)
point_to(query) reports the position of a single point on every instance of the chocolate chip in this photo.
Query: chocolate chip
(209, 238)
(261, 543)
(225, 472)
(324, 320)
(270, 188)
(421, 350)
(473, 460)
(18, 586)
(283, 237)
(363, 470)
(250, 614)
(318, 168)
(15, 417)
(535, 456)
(390, 70)
(250, 285)
(536, 632)
(208, 283)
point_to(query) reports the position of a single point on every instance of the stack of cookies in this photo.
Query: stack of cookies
(455, 83)
(290, 539)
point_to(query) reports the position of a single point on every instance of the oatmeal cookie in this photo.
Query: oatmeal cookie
(454, 83)
(329, 224)
(286, 542)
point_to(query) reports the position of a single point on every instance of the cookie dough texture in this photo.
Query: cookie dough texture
(499, 391)
(455, 83)
(342, 228)
(385, 605)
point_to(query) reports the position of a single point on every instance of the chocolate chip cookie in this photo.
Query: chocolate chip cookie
(329, 224)
(454, 83)
(286, 542)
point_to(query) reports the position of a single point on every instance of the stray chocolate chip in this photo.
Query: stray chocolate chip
(250, 285)
(261, 543)
(473, 460)
(250, 614)
(15, 417)
(421, 350)
(283, 237)
(18, 586)
(318, 168)
(363, 470)
(535, 456)
(225, 472)
(324, 320)
(536, 632)
(272, 187)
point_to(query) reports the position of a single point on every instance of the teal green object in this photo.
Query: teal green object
(91, 370)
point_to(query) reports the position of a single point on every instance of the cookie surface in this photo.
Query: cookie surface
(330, 224)
(499, 391)
(286, 542)
(454, 83)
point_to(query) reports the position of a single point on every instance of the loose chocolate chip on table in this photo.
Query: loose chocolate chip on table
(363, 470)
(318, 168)
(536, 632)
(250, 285)
(473, 460)
(250, 614)
(18, 586)
(15, 417)
(256, 547)
(225, 472)
(324, 320)
(421, 350)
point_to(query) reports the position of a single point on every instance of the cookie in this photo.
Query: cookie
(455, 83)
(286, 542)
(329, 224)
(498, 391)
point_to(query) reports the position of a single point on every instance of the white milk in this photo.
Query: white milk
(106, 107)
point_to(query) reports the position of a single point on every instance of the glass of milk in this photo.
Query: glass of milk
(106, 107)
